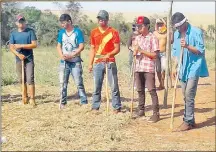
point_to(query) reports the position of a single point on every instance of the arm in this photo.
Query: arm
(91, 55)
(151, 55)
(155, 48)
(59, 50)
(129, 42)
(27, 46)
(115, 51)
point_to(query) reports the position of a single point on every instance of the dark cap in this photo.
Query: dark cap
(142, 20)
(65, 17)
(20, 18)
(178, 18)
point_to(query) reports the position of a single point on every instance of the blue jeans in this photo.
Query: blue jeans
(99, 72)
(75, 69)
(189, 89)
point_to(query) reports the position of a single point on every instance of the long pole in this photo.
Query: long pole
(168, 48)
(175, 86)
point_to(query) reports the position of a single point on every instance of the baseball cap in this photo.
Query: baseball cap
(64, 17)
(20, 18)
(142, 20)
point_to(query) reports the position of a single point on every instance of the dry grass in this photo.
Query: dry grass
(45, 128)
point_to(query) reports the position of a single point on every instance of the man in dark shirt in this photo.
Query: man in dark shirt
(22, 41)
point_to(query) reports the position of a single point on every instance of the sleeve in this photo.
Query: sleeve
(199, 43)
(92, 40)
(11, 41)
(80, 37)
(155, 44)
(59, 38)
(116, 38)
(33, 36)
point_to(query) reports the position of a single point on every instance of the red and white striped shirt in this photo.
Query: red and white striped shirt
(148, 43)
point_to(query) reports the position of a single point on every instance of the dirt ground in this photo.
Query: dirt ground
(77, 128)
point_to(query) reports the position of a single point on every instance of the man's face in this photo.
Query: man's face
(65, 24)
(181, 28)
(21, 24)
(141, 28)
(160, 25)
(102, 22)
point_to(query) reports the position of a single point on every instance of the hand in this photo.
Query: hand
(21, 56)
(106, 57)
(183, 43)
(174, 73)
(18, 46)
(90, 68)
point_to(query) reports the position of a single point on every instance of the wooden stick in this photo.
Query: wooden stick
(23, 83)
(168, 50)
(175, 86)
(133, 77)
(107, 94)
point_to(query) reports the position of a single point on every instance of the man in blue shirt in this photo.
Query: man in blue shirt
(70, 44)
(22, 41)
(193, 64)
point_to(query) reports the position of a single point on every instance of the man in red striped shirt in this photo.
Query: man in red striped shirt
(147, 49)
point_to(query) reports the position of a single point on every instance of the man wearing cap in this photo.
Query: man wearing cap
(130, 44)
(146, 51)
(70, 45)
(105, 44)
(193, 66)
(161, 33)
(22, 43)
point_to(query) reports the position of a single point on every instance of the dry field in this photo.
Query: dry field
(45, 128)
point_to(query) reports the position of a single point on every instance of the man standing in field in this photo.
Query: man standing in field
(146, 51)
(130, 44)
(193, 64)
(70, 45)
(22, 43)
(105, 44)
(161, 33)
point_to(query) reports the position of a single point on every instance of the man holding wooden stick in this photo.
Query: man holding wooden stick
(146, 51)
(22, 42)
(193, 64)
(105, 44)
(161, 33)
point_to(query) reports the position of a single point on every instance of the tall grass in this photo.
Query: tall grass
(47, 66)
(47, 62)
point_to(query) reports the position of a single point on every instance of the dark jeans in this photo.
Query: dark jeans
(189, 89)
(99, 72)
(75, 69)
(28, 71)
(146, 79)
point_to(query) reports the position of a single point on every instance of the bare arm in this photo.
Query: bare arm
(13, 50)
(59, 49)
(26, 46)
(92, 55)
(116, 50)
(151, 55)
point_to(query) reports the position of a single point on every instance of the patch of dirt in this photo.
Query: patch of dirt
(77, 128)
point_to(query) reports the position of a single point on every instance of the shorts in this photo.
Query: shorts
(28, 72)
(160, 64)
